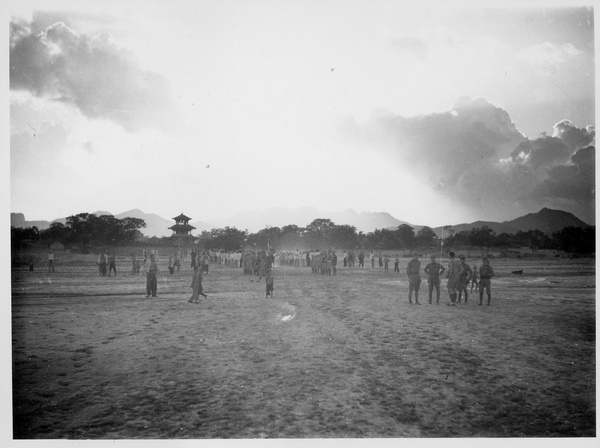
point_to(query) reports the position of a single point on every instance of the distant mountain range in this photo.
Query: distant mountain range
(546, 220)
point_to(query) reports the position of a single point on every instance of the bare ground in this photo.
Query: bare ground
(329, 357)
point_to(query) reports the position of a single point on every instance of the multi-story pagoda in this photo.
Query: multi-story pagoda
(181, 226)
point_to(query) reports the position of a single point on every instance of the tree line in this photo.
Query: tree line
(83, 229)
(88, 229)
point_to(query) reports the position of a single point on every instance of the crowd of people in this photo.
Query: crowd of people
(458, 273)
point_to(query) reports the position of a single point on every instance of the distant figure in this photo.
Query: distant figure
(102, 261)
(361, 260)
(171, 267)
(112, 266)
(50, 262)
(193, 263)
(386, 263)
(345, 258)
(151, 269)
(270, 283)
(262, 270)
(397, 264)
(197, 286)
(463, 279)
(454, 270)
(334, 260)
(380, 260)
(414, 278)
(485, 275)
(372, 258)
(434, 271)
(133, 262)
(178, 261)
(475, 280)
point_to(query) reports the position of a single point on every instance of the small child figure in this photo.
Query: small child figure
(269, 280)
(197, 286)
(485, 274)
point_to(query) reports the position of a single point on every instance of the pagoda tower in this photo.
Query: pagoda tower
(181, 226)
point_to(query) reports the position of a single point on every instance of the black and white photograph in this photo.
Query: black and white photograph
(260, 221)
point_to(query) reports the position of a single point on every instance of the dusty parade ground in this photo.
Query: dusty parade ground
(328, 357)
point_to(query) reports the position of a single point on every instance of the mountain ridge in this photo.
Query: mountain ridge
(547, 220)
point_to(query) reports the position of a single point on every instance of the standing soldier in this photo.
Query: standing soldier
(372, 258)
(361, 260)
(414, 278)
(151, 269)
(434, 270)
(112, 264)
(397, 264)
(50, 262)
(485, 280)
(270, 283)
(102, 259)
(464, 278)
(334, 260)
(454, 270)
(386, 262)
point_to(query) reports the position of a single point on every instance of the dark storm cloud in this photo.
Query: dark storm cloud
(90, 73)
(475, 155)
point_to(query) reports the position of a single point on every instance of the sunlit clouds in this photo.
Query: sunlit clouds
(434, 115)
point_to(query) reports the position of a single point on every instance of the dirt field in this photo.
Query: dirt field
(329, 357)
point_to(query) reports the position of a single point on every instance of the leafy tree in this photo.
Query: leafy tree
(229, 239)
(56, 232)
(406, 234)
(576, 239)
(426, 237)
(343, 236)
(481, 236)
(319, 231)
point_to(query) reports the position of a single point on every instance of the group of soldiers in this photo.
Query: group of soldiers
(459, 274)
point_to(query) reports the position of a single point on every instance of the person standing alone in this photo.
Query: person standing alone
(485, 280)
(414, 278)
(112, 266)
(151, 268)
(50, 261)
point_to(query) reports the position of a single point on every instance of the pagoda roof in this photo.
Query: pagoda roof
(181, 217)
(182, 227)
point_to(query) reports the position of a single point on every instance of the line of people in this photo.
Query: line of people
(458, 273)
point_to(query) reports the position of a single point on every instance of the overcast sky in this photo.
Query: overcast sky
(437, 115)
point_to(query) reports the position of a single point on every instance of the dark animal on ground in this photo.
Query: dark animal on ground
(518, 272)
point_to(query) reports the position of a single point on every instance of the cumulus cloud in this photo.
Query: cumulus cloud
(91, 73)
(475, 155)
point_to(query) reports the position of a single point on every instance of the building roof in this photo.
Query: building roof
(182, 227)
(181, 217)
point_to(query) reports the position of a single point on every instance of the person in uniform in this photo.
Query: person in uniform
(151, 269)
(464, 279)
(454, 270)
(434, 271)
(414, 278)
(485, 280)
